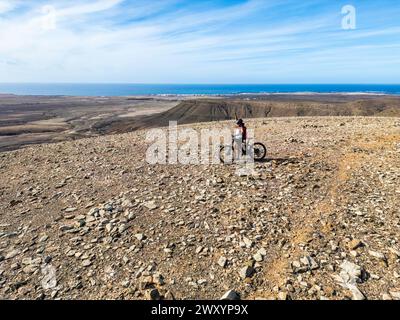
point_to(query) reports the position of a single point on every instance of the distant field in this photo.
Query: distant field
(26, 120)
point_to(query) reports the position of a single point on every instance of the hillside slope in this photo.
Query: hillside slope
(90, 219)
(205, 110)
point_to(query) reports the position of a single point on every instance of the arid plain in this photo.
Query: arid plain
(90, 218)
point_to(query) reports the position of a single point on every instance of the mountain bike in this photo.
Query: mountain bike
(226, 152)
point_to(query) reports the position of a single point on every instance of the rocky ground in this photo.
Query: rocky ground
(90, 219)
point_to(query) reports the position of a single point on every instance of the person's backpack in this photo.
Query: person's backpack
(244, 134)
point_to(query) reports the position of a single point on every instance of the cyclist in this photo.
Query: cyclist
(240, 132)
(239, 138)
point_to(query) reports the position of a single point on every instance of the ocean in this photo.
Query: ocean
(191, 89)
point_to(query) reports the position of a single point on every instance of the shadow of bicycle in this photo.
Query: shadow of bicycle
(278, 160)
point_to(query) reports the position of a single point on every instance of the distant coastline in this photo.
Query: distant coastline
(164, 90)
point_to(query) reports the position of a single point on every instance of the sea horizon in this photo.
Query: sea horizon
(132, 89)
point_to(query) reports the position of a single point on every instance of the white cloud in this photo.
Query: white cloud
(6, 6)
(88, 8)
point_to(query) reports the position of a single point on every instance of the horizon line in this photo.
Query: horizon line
(196, 83)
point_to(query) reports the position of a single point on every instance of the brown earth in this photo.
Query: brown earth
(323, 207)
(26, 120)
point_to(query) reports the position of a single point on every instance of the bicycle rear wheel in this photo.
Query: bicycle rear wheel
(226, 154)
(260, 151)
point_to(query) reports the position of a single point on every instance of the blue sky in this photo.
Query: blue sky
(181, 41)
